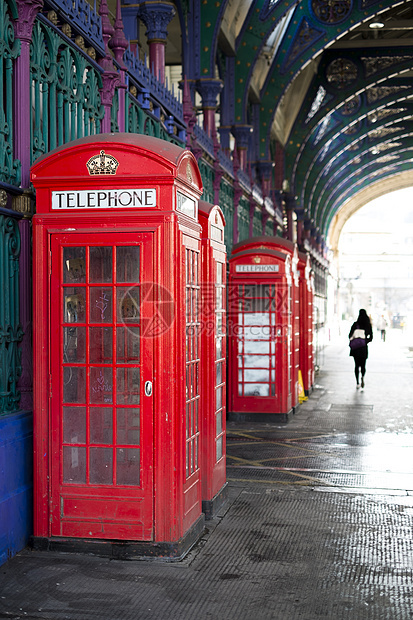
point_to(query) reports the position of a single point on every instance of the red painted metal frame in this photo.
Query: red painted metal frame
(284, 245)
(279, 285)
(213, 407)
(306, 321)
(143, 163)
(101, 510)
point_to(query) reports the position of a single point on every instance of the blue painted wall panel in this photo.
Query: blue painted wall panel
(16, 483)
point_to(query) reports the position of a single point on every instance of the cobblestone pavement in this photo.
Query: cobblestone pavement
(318, 523)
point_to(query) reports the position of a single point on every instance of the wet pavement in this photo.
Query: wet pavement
(319, 521)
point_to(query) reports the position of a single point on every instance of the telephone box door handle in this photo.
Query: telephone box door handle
(148, 388)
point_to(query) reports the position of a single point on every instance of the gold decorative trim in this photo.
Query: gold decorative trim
(23, 204)
(3, 198)
(102, 164)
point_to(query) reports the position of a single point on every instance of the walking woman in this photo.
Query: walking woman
(360, 335)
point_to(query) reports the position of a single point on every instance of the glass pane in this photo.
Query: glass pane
(74, 344)
(257, 318)
(195, 343)
(100, 264)
(74, 265)
(128, 345)
(128, 386)
(100, 305)
(74, 385)
(195, 268)
(257, 375)
(100, 345)
(256, 361)
(128, 304)
(219, 273)
(191, 419)
(218, 398)
(218, 418)
(128, 426)
(219, 323)
(74, 424)
(219, 448)
(218, 353)
(101, 466)
(196, 416)
(219, 305)
(256, 389)
(101, 425)
(74, 465)
(128, 466)
(196, 379)
(127, 264)
(188, 418)
(74, 304)
(256, 347)
(219, 373)
(101, 385)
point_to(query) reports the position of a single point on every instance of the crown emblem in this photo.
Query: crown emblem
(102, 164)
(189, 172)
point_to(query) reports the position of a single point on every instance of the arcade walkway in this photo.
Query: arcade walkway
(319, 524)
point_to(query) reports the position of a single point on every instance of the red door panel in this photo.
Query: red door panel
(101, 415)
(261, 347)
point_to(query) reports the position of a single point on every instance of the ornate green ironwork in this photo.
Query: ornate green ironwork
(269, 227)
(207, 174)
(9, 50)
(65, 92)
(138, 121)
(243, 220)
(257, 223)
(226, 202)
(114, 126)
(11, 332)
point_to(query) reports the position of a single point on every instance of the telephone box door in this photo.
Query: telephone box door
(101, 386)
(260, 344)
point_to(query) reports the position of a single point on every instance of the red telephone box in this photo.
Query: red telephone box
(213, 366)
(306, 321)
(116, 346)
(260, 335)
(284, 245)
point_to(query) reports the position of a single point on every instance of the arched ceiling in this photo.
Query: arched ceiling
(335, 93)
(374, 190)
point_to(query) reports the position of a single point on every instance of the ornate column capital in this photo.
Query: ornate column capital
(242, 135)
(265, 169)
(23, 26)
(209, 89)
(308, 224)
(156, 17)
(289, 201)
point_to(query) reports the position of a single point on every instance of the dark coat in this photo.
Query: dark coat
(362, 352)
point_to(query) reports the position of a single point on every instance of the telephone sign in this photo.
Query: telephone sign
(104, 199)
